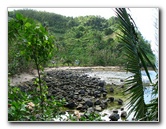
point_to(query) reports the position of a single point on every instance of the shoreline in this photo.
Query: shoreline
(93, 68)
(23, 77)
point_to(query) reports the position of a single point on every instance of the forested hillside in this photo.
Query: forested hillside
(83, 41)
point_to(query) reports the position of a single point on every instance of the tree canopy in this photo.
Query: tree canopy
(91, 39)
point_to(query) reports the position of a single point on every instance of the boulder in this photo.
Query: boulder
(112, 90)
(54, 92)
(103, 105)
(123, 114)
(82, 92)
(97, 102)
(97, 94)
(122, 109)
(121, 80)
(79, 107)
(71, 96)
(111, 99)
(75, 97)
(115, 111)
(89, 103)
(79, 99)
(90, 93)
(102, 83)
(90, 110)
(114, 117)
(76, 93)
(105, 101)
(71, 105)
(84, 108)
(104, 94)
(98, 108)
(75, 88)
(120, 101)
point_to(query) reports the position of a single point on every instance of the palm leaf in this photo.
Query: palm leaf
(135, 56)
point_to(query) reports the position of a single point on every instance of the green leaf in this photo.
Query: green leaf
(134, 57)
(29, 43)
(22, 52)
(23, 107)
(145, 67)
(27, 25)
(143, 53)
(19, 16)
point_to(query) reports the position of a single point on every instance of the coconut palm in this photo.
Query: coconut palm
(135, 58)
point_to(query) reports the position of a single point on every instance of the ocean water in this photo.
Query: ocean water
(116, 76)
(145, 77)
(148, 89)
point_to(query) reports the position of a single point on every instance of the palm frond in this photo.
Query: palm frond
(135, 56)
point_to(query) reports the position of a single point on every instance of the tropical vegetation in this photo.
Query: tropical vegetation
(136, 57)
(83, 41)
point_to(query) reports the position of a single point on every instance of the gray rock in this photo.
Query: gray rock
(84, 108)
(90, 110)
(120, 101)
(97, 102)
(97, 94)
(76, 88)
(103, 105)
(123, 114)
(115, 111)
(89, 103)
(71, 105)
(111, 90)
(104, 94)
(79, 107)
(121, 80)
(114, 117)
(79, 99)
(111, 99)
(102, 83)
(122, 109)
(98, 108)
(82, 92)
(54, 92)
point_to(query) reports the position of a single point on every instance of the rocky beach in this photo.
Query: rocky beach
(83, 88)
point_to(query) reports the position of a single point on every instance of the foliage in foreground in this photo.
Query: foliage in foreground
(25, 106)
(152, 111)
(35, 43)
(136, 57)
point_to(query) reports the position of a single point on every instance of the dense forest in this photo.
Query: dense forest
(83, 41)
